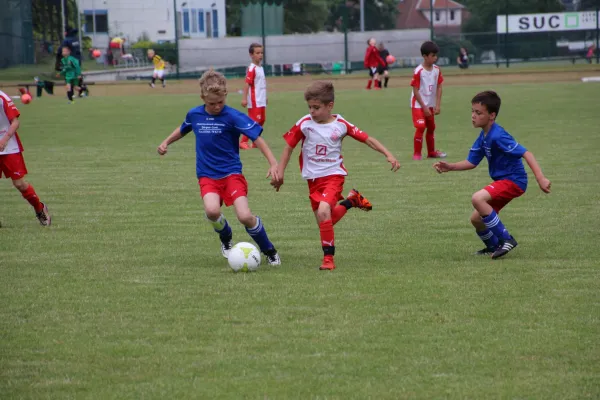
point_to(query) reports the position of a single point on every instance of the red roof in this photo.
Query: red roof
(409, 17)
(439, 4)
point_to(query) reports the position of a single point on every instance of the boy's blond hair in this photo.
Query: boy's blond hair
(213, 82)
(322, 91)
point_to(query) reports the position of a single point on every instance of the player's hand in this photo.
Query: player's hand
(545, 184)
(162, 149)
(273, 173)
(427, 112)
(3, 143)
(277, 183)
(442, 166)
(395, 164)
(244, 103)
(437, 110)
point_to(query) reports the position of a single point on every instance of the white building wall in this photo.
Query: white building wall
(445, 19)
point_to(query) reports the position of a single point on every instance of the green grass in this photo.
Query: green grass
(126, 296)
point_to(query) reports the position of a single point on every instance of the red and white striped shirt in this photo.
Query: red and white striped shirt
(427, 82)
(257, 92)
(8, 112)
(322, 145)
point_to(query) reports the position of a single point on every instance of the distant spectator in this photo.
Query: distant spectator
(590, 53)
(71, 40)
(463, 58)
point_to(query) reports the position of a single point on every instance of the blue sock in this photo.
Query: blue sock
(221, 226)
(493, 223)
(488, 237)
(259, 235)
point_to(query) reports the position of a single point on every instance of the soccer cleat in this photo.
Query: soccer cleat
(273, 257)
(328, 264)
(164, 85)
(254, 146)
(226, 248)
(417, 157)
(244, 146)
(485, 252)
(359, 201)
(505, 247)
(437, 154)
(44, 216)
(151, 85)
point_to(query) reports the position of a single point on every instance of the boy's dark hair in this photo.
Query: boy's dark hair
(68, 47)
(429, 48)
(253, 46)
(489, 99)
(322, 91)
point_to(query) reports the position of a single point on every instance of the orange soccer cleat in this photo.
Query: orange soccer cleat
(359, 201)
(328, 264)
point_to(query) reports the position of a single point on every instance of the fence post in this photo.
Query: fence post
(597, 35)
(176, 38)
(345, 26)
(506, 38)
(431, 31)
(262, 30)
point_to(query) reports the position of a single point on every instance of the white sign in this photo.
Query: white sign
(551, 22)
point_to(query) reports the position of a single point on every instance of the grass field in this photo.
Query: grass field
(126, 296)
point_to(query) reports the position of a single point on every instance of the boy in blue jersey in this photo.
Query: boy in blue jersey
(506, 169)
(217, 128)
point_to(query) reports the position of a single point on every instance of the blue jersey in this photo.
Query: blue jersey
(217, 140)
(503, 154)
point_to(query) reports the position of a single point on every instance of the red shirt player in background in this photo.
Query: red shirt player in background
(426, 100)
(372, 62)
(321, 134)
(12, 164)
(255, 90)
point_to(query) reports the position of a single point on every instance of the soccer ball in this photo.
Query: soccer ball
(26, 98)
(244, 257)
(390, 59)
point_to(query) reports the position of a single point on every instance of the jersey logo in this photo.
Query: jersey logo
(430, 88)
(321, 150)
(336, 135)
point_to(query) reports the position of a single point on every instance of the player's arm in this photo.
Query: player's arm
(286, 155)
(377, 146)
(266, 150)
(245, 94)
(443, 166)
(173, 137)
(544, 183)
(14, 125)
(419, 99)
(438, 100)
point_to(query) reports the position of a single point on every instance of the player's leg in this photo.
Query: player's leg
(482, 202)
(29, 194)
(261, 118)
(154, 76)
(372, 72)
(386, 78)
(419, 124)
(69, 89)
(161, 76)
(323, 214)
(236, 194)
(487, 236)
(211, 191)
(430, 138)
(377, 80)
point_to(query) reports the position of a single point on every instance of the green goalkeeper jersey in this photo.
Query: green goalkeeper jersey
(70, 68)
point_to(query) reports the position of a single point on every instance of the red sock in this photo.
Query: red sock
(430, 138)
(327, 236)
(369, 84)
(338, 213)
(31, 196)
(418, 141)
(245, 139)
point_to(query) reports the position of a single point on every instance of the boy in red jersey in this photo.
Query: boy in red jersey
(12, 164)
(372, 62)
(321, 134)
(255, 90)
(425, 101)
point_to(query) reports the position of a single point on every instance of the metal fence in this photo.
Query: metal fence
(16, 33)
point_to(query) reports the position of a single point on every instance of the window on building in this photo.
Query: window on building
(215, 23)
(201, 21)
(437, 16)
(186, 21)
(95, 21)
(452, 15)
(194, 21)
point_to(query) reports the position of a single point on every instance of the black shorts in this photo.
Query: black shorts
(382, 69)
(372, 71)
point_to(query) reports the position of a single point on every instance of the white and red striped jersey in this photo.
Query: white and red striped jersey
(8, 112)
(321, 153)
(427, 82)
(257, 92)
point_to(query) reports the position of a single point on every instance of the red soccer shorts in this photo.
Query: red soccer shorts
(327, 188)
(229, 188)
(420, 121)
(13, 166)
(258, 114)
(502, 193)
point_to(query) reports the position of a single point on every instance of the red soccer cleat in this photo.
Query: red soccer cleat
(254, 146)
(328, 264)
(417, 157)
(359, 201)
(244, 146)
(437, 154)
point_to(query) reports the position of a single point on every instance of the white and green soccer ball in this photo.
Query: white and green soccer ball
(244, 257)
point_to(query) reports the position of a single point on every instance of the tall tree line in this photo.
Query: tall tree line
(47, 20)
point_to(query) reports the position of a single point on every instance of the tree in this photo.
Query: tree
(379, 14)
